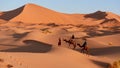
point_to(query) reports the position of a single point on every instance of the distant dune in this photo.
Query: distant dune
(31, 13)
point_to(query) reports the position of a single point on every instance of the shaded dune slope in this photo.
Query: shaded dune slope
(97, 15)
(32, 46)
(8, 15)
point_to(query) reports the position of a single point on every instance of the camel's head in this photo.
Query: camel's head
(64, 40)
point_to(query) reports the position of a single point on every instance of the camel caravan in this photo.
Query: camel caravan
(74, 42)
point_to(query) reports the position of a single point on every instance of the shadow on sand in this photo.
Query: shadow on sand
(97, 15)
(31, 46)
(105, 51)
(93, 32)
(19, 36)
(101, 64)
(11, 14)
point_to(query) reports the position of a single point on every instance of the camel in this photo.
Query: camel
(84, 49)
(70, 42)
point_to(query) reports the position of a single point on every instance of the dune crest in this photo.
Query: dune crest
(34, 14)
(30, 38)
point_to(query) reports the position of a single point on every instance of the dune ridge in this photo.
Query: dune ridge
(29, 38)
(31, 13)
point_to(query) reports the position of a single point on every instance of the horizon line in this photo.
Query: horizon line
(58, 11)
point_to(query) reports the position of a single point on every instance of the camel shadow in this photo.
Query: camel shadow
(31, 46)
(105, 51)
(101, 64)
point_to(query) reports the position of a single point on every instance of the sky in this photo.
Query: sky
(66, 6)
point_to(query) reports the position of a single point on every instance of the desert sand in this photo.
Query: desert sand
(29, 37)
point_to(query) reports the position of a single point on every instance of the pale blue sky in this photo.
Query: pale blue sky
(66, 6)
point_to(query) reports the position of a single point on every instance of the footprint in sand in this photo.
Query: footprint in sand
(4, 65)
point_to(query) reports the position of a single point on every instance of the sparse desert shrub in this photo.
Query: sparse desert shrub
(115, 64)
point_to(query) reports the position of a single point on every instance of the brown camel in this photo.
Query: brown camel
(70, 42)
(84, 49)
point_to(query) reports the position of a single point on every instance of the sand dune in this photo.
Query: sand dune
(113, 39)
(29, 38)
(106, 46)
(40, 14)
(11, 14)
(60, 57)
(36, 46)
(106, 17)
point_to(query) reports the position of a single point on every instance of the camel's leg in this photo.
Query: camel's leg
(69, 45)
(84, 51)
(74, 46)
(81, 50)
(87, 50)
